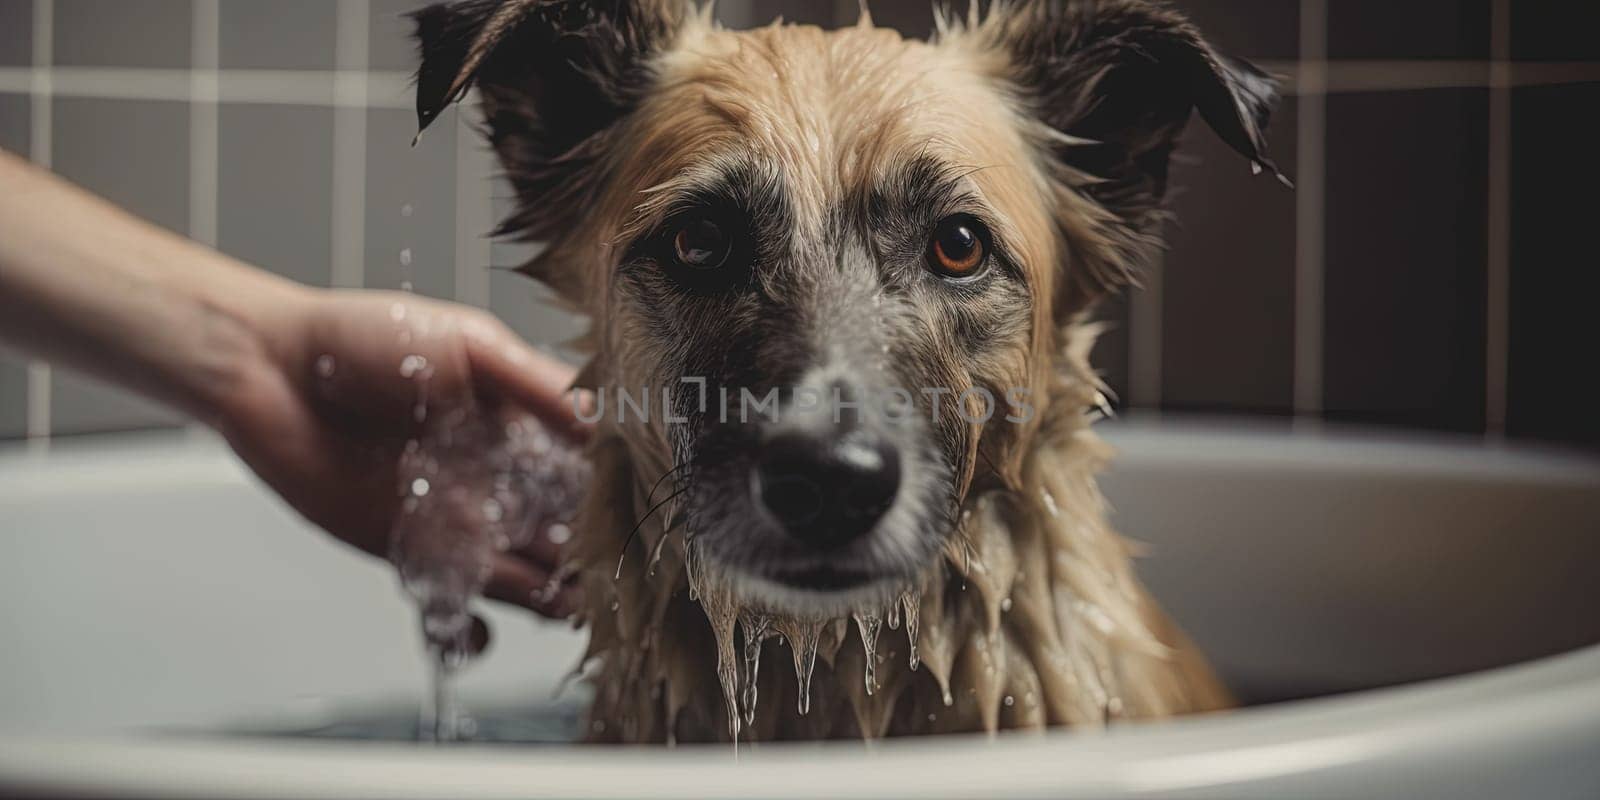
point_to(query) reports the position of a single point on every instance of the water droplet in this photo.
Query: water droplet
(406, 210)
(405, 286)
(1005, 605)
(325, 366)
(405, 257)
(397, 312)
(419, 487)
(492, 510)
(1010, 701)
(559, 533)
(411, 365)
(1049, 503)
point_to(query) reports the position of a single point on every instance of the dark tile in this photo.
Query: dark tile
(80, 404)
(1256, 29)
(1110, 357)
(1404, 333)
(16, 33)
(123, 33)
(389, 44)
(1553, 281)
(423, 180)
(1554, 31)
(284, 34)
(16, 120)
(911, 18)
(274, 188)
(755, 13)
(13, 397)
(135, 154)
(14, 132)
(1430, 29)
(1227, 333)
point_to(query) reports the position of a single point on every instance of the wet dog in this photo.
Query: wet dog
(839, 284)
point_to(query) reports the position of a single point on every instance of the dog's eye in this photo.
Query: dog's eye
(959, 247)
(701, 244)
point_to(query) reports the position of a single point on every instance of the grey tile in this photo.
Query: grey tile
(16, 33)
(420, 180)
(525, 304)
(80, 404)
(389, 44)
(123, 33)
(135, 154)
(1404, 336)
(274, 188)
(527, 307)
(284, 34)
(16, 123)
(1228, 284)
(13, 397)
(1553, 281)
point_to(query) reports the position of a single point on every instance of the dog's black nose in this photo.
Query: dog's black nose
(827, 489)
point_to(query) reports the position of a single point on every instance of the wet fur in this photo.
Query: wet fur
(1054, 121)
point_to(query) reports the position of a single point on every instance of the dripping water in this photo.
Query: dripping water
(869, 624)
(472, 485)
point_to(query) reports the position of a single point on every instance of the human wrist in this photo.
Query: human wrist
(250, 319)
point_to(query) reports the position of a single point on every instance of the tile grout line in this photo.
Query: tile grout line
(39, 150)
(390, 88)
(266, 86)
(1145, 307)
(350, 91)
(203, 130)
(204, 160)
(1310, 210)
(1497, 297)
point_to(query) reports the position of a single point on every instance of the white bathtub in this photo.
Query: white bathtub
(152, 593)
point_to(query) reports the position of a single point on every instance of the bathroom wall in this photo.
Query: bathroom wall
(1430, 270)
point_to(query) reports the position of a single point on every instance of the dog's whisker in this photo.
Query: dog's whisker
(640, 524)
(673, 521)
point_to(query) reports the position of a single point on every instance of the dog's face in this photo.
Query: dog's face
(888, 234)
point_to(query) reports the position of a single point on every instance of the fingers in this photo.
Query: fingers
(511, 369)
(523, 583)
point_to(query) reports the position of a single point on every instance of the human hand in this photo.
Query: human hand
(349, 378)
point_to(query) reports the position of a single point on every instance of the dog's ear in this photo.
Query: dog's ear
(554, 76)
(1116, 81)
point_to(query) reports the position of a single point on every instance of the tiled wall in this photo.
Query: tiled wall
(1432, 268)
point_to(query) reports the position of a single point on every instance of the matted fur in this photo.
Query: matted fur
(1033, 615)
